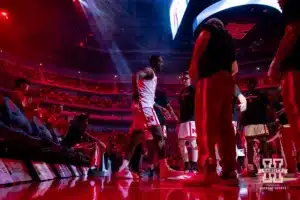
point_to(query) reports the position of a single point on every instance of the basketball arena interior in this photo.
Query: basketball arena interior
(69, 90)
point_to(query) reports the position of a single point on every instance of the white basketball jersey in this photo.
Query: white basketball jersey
(146, 90)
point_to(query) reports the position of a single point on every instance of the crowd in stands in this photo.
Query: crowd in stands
(95, 101)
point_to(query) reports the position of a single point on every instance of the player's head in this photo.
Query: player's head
(156, 62)
(186, 79)
(22, 84)
(215, 22)
(83, 120)
(252, 83)
(60, 109)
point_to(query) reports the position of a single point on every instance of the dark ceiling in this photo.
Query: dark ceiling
(124, 33)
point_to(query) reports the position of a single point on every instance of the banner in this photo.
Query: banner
(75, 170)
(85, 170)
(63, 170)
(4, 174)
(43, 170)
(17, 169)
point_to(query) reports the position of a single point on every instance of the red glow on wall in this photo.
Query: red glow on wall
(4, 14)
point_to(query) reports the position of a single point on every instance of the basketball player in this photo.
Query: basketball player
(239, 106)
(161, 103)
(255, 120)
(144, 87)
(287, 61)
(212, 68)
(187, 129)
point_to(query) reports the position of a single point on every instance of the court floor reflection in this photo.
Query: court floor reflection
(110, 189)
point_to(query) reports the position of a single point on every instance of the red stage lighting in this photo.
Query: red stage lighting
(4, 14)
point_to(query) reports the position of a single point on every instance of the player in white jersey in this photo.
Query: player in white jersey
(144, 117)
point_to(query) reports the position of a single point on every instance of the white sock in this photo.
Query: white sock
(195, 155)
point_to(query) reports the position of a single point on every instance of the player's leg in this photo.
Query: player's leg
(227, 134)
(194, 152)
(193, 145)
(207, 118)
(137, 132)
(159, 143)
(291, 100)
(184, 154)
(133, 142)
(183, 133)
(136, 158)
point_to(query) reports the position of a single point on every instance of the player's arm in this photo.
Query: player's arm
(146, 73)
(169, 107)
(234, 68)
(199, 49)
(234, 65)
(162, 109)
(171, 110)
(242, 99)
(287, 43)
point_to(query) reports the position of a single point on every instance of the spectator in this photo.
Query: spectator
(18, 95)
(78, 138)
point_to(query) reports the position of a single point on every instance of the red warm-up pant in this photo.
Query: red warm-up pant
(93, 149)
(291, 100)
(213, 112)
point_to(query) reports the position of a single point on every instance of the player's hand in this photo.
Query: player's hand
(102, 145)
(273, 72)
(166, 113)
(135, 107)
(243, 104)
(176, 118)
